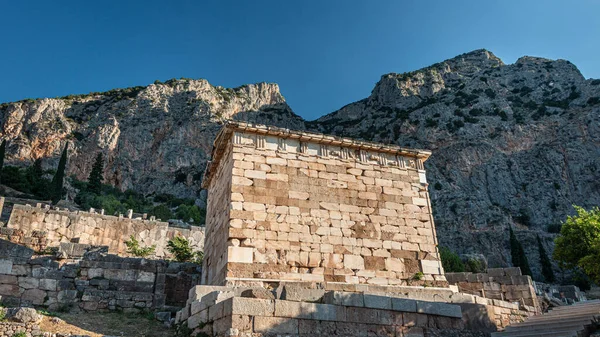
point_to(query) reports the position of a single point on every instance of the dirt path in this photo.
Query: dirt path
(111, 324)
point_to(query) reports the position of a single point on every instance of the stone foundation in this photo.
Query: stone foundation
(298, 309)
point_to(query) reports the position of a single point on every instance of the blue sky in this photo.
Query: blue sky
(323, 54)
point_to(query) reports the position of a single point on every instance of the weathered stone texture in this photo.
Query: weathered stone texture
(306, 207)
(97, 281)
(506, 284)
(39, 228)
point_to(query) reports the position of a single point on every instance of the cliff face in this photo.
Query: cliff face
(155, 138)
(512, 144)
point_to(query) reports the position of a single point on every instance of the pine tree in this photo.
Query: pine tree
(95, 178)
(2, 151)
(519, 259)
(59, 177)
(545, 262)
(35, 175)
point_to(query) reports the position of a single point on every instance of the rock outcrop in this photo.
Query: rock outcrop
(514, 144)
(155, 138)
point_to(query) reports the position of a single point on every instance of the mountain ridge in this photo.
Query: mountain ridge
(513, 144)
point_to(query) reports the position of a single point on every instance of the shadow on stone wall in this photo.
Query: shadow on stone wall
(89, 279)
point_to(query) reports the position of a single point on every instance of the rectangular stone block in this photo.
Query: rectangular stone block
(344, 298)
(294, 309)
(329, 312)
(377, 301)
(292, 292)
(249, 306)
(404, 304)
(6, 266)
(275, 325)
(438, 308)
(240, 254)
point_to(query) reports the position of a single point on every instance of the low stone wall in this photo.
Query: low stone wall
(96, 281)
(337, 309)
(9, 329)
(505, 284)
(41, 227)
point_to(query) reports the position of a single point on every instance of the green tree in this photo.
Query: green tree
(2, 152)
(39, 184)
(451, 261)
(162, 212)
(194, 213)
(519, 259)
(95, 178)
(578, 245)
(182, 250)
(545, 262)
(59, 177)
(578, 236)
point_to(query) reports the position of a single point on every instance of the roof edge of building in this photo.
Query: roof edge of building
(231, 126)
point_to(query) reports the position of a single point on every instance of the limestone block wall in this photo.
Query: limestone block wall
(505, 284)
(217, 220)
(99, 230)
(94, 281)
(307, 207)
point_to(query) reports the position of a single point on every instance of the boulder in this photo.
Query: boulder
(24, 315)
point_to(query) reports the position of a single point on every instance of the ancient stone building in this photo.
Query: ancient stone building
(299, 206)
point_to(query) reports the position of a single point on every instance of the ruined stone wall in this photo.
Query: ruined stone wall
(91, 280)
(505, 284)
(99, 230)
(308, 211)
(217, 221)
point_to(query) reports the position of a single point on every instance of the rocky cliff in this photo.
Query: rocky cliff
(156, 139)
(512, 144)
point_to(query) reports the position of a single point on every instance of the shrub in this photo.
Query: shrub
(182, 251)
(593, 100)
(430, 123)
(595, 82)
(474, 266)
(134, 248)
(451, 261)
(20, 334)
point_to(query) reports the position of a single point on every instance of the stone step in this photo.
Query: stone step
(577, 305)
(550, 326)
(535, 333)
(569, 313)
(583, 321)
